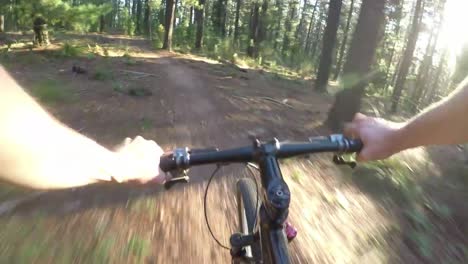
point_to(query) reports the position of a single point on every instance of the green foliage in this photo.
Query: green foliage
(184, 36)
(103, 250)
(61, 14)
(158, 37)
(102, 74)
(137, 247)
(390, 178)
(69, 50)
(128, 23)
(128, 60)
(118, 87)
(51, 91)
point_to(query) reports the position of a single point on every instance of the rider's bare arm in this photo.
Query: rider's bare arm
(38, 151)
(445, 122)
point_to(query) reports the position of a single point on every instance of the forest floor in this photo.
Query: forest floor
(409, 209)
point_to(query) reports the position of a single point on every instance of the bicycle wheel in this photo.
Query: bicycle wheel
(247, 213)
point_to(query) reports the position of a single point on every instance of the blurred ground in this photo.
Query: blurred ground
(410, 209)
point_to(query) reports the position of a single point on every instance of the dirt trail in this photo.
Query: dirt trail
(200, 103)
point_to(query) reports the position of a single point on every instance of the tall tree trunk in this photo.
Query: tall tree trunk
(288, 35)
(170, 6)
(393, 49)
(134, 8)
(162, 13)
(147, 21)
(236, 21)
(317, 33)
(301, 25)
(279, 20)
(422, 76)
(360, 57)
(199, 20)
(175, 13)
(432, 91)
(426, 65)
(223, 19)
(328, 46)
(407, 57)
(127, 5)
(138, 17)
(219, 17)
(102, 22)
(2, 23)
(311, 27)
(339, 62)
(263, 23)
(252, 50)
(191, 16)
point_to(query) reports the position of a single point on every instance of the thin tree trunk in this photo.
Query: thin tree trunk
(175, 13)
(252, 50)
(102, 22)
(138, 17)
(407, 57)
(223, 19)
(134, 8)
(301, 22)
(318, 30)
(426, 65)
(422, 75)
(191, 16)
(288, 35)
(432, 91)
(162, 13)
(329, 40)
(311, 27)
(147, 20)
(357, 69)
(339, 62)
(279, 20)
(199, 20)
(263, 22)
(392, 51)
(236, 21)
(2, 23)
(170, 6)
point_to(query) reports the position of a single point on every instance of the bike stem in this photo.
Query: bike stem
(275, 208)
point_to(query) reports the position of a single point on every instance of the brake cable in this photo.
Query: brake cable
(205, 211)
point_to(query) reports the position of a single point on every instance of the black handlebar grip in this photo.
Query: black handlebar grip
(355, 145)
(167, 162)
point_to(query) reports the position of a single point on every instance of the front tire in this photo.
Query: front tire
(247, 214)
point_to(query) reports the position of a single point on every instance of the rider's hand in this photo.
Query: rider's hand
(138, 160)
(380, 137)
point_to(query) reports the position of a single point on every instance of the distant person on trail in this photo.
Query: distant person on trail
(37, 151)
(445, 122)
(41, 35)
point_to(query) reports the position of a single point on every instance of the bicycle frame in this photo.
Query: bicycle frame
(273, 212)
(274, 208)
(274, 192)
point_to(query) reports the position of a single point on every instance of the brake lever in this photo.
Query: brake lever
(181, 177)
(339, 160)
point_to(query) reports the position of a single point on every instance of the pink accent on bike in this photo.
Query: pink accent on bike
(291, 231)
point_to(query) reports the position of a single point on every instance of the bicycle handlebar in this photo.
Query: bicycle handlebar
(184, 158)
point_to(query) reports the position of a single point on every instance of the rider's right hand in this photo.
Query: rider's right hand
(381, 138)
